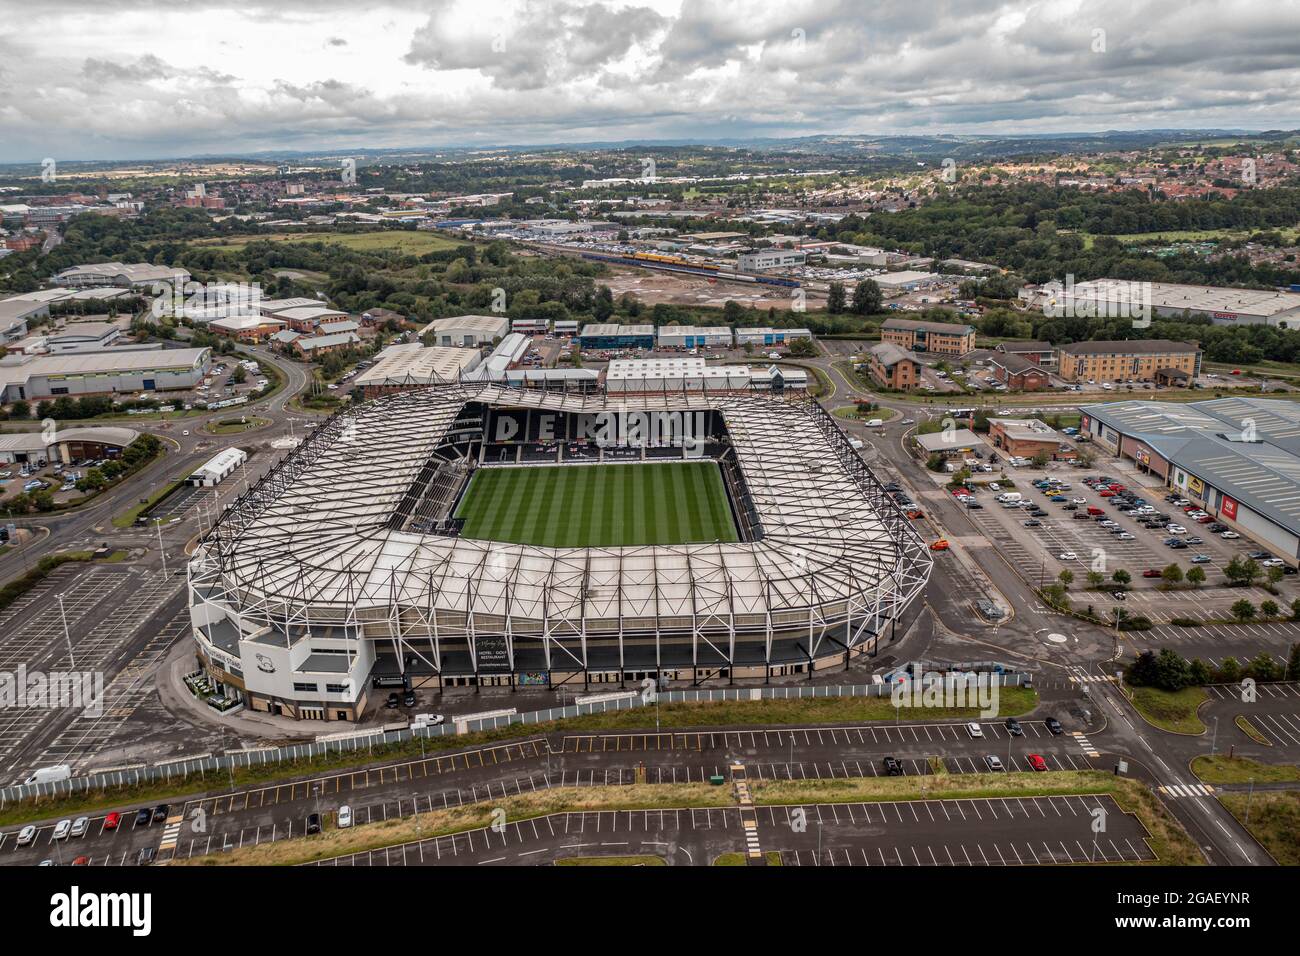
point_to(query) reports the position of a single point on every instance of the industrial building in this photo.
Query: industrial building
(957, 443)
(938, 338)
(139, 275)
(1237, 458)
(610, 336)
(1225, 306)
(1136, 360)
(693, 374)
(15, 314)
(1027, 438)
(691, 337)
(66, 445)
(105, 371)
(761, 259)
(467, 329)
(217, 468)
(247, 328)
(770, 336)
(306, 318)
(904, 281)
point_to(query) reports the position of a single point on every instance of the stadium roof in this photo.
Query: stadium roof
(316, 539)
(413, 364)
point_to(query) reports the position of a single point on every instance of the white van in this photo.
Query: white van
(1009, 496)
(875, 422)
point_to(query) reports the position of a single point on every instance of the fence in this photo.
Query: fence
(178, 770)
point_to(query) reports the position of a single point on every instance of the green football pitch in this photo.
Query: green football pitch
(588, 506)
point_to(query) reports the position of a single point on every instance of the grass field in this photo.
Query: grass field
(581, 506)
(387, 240)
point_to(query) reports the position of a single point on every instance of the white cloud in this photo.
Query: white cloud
(138, 78)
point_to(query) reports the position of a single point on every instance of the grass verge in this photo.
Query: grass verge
(1250, 730)
(127, 518)
(1224, 769)
(739, 859)
(1274, 820)
(1174, 711)
(611, 861)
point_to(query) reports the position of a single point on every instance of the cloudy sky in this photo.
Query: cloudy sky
(115, 79)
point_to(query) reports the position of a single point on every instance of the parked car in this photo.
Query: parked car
(143, 816)
(393, 702)
(313, 823)
(112, 820)
(994, 763)
(61, 830)
(27, 835)
(345, 817)
(146, 856)
(1014, 728)
(160, 813)
(1053, 726)
(974, 729)
(80, 826)
(1201, 559)
(892, 767)
(1036, 762)
(1151, 573)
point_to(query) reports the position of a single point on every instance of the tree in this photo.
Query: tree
(1195, 576)
(1269, 608)
(1172, 574)
(240, 375)
(1263, 667)
(20, 409)
(1293, 663)
(1229, 670)
(867, 298)
(1275, 576)
(1243, 610)
(1121, 577)
(1040, 459)
(1095, 579)
(836, 299)
(1200, 674)
(1172, 672)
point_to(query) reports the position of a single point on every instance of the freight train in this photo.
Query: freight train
(654, 260)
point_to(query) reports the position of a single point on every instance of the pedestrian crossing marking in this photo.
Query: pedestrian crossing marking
(1085, 744)
(1187, 790)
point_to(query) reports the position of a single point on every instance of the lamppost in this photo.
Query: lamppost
(157, 523)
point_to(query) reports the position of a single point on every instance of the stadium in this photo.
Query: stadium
(481, 534)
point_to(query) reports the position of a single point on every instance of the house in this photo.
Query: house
(1018, 373)
(892, 367)
(941, 338)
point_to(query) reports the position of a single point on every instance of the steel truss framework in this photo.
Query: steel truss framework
(312, 546)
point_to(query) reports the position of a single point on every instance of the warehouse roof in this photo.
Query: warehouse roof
(949, 440)
(493, 325)
(1247, 448)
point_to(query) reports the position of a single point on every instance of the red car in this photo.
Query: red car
(1116, 486)
(1151, 573)
(112, 820)
(1108, 494)
(1205, 519)
(81, 861)
(1037, 762)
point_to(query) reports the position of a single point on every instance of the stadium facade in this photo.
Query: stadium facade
(345, 572)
